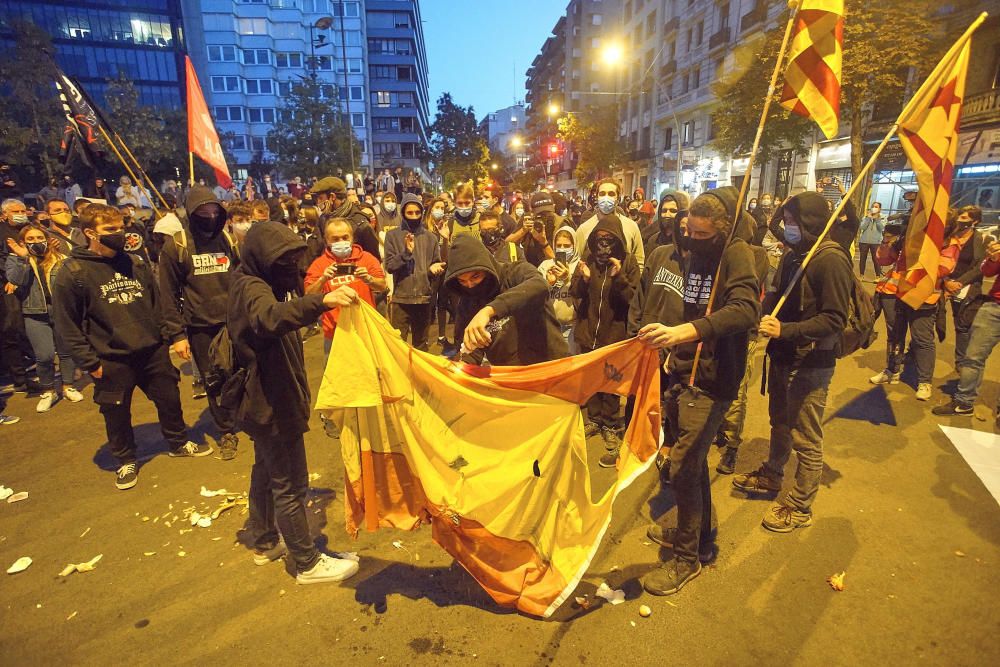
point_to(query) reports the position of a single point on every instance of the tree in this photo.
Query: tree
(594, 136)
(311, 137)
(459, 150)
(31, 118)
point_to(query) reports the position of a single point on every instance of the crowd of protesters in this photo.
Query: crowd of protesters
(97, 288)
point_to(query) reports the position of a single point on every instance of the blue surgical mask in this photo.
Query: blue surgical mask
(606, 204)
(793, 234)
(341, 249)
(437, 213)
(463, 212)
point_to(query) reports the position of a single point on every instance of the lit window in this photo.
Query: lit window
(383, 98)
(251, 26)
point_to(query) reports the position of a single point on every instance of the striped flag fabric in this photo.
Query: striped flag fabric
(495, 460)
(928, 133)
(812, 77)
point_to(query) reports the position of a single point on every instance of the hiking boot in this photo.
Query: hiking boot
(608, 459)
(127, 476)
(670, 577)
(227, 446)
(924, 391)
(198, 387)
(328, 568)
(47, 400)
(666, 537)
(72, 394)
(612, 442)
(727, 464)
(758, 481)
(885, 377)
(784, 519)
(7, 420)
(265, 556)
(952, 407)
(330, 427)
(192, 449)
(591, 429)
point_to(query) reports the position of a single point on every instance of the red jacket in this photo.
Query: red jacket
(991, 268)
(358, 257)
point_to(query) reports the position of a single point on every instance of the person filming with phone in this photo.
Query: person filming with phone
(343, 262)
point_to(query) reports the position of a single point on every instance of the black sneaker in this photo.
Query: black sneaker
(670, 577)
(666, 537)
(127, 476)
(192, 449)
(612, 442)
(952, 407)
(199, 389)
(727, 464)
(591, 429)
(227, 446)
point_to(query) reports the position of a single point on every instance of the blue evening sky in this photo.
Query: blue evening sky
(479, 50)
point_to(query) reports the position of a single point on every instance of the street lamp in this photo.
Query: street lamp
(516, 141)
(553, 109)
(494, 166)
(612, 54)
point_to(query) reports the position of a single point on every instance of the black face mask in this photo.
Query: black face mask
(602, 250)
(114, 241)
(412, 225)
(285, 278)
(38, 248)
(491, 237)
(705, 247)
(485, 290)
(205, 224)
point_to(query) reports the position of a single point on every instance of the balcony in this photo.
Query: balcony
(755, 16)
(668, 68)
(638, 155)
(720, 38)
(671, 25)
(981, 108)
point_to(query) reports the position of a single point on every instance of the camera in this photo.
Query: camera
(345, 269)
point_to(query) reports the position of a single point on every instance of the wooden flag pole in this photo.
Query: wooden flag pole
(135, 179)
(768, 99)
(191, 168)
(142, 172)
(871, 161)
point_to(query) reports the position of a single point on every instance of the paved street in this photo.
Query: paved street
(900, 512)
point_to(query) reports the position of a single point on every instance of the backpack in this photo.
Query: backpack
(226, 376)
(859, 330)
(181, 242)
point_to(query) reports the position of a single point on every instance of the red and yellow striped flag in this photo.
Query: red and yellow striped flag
(812, 78)
(928, 132)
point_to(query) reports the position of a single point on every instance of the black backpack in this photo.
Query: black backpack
(859, 331)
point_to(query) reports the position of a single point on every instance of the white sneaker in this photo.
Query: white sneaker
(72, 394)
(327, 569)
(48, 399)
(924, 391)
(885, 377)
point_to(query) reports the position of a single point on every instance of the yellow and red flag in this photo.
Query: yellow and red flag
(812, 78)
(928, 133)
(203, 140)
(497, 465)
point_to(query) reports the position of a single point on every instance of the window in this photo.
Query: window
(382, 98)
(354, 66)
(256, 57)
(690, 38)
(724, 16)
(229, 113)
(288, 60)
(221, 54)
(258, 144)
(235, 142)
(324, 63)
(385, 150)
(351, 10)
(404, 73)
(386, 124)
(259, 86)
(596, 19)
(357, 93)
(695, 78)
(357, 120)
(284, 88)
(407, 150)
(668, 139)
(381, 72)
(699, 33)
(251, 26)
(353, 37)
(595, 43)
(327, 91)
(315, 6)
(401, 20)
(686, 133)
(260, 115)
(406, 125)
(405, 99)
(225, 84)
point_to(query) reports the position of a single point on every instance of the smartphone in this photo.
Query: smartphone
(538, 226)
(562, 257)
(345, 269)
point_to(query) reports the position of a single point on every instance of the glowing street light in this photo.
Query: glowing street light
(516, 141)
(553, 109)
(494, 166)
(612, 54)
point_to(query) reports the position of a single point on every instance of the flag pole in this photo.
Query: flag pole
(191, 168)
(111, 144)
(745, 185)
(142, 171)
(871, 161)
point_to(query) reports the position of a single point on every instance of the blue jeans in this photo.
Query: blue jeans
(44, 343)
(983, 337)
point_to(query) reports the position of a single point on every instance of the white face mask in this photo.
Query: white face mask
(606, 204)
(241, 227)
(341, 249)
(437, 213)
(389, 206)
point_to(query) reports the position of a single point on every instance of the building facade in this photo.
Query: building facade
(505, 132)
(96, 40)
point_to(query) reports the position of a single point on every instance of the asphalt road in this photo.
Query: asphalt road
(900, 512)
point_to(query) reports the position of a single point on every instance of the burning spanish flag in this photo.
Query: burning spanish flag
(497, 465)
(812, 78)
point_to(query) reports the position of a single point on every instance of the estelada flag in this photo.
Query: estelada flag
(497, 465)
(928, 133)
(812, 78)
(81, 122)
(203, 140)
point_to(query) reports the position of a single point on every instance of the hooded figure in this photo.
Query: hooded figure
(812, 210)
(517, 295)
(661, 232)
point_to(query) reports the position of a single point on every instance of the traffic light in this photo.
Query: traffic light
(553, 150)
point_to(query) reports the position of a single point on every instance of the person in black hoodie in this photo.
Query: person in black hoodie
(661, 232)
(105, 305)
(196, 266)
(695, 410)
(264, 318)
(803, 350)
(603, 284)
(498, 308)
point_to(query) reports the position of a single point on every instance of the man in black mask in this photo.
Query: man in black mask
(196, 267)
(105, 306)
(499, 306)
(695, 410)
(661, 232)
(492, 235)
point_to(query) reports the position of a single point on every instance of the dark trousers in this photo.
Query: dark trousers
(279, 481)
(693, 419)
(962, 332)
(919, 322)
(200, 340)
(867, 249)
(602, 408)
(152, 372)
(412, 318)
(11, 335)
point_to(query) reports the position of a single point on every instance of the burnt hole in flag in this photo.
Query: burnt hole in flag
(535, 469)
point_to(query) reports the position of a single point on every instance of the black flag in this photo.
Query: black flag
(81, 119)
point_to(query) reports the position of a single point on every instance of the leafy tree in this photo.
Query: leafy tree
(593, 134)
(31, 119)
(310, 137)
(458, 147)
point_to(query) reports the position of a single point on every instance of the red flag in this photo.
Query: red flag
(812, 79)
(203, 140)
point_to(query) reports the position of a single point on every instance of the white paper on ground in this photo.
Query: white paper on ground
(981, 450)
